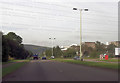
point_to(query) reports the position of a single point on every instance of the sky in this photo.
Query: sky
(38, 20)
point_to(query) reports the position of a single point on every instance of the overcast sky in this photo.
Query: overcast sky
(38, 20)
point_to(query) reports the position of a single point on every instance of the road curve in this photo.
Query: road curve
(46, 70)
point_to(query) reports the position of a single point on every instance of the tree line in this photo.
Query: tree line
(99, 48)
(56, 52)
(12, 47)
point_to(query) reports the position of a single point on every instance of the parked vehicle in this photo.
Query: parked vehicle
(76, 58)
(43, 58)
(52, 57)
(35, 57)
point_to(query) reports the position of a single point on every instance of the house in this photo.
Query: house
(115, 43)
(64, 48)
(90, 44)
(76, 47)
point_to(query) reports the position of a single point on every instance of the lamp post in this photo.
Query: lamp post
(52, 44)
(80, 30)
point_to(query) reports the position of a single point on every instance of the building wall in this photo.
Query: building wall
(90, 44)
(115, 43)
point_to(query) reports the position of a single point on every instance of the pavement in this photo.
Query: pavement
(47, 70)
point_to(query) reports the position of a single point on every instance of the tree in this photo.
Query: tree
(11, 46)
(56, 52)
(14, 37)
(100, 47)
(70, 52)
(119, 44)
(86, 50)
(5, 49)
(48, 52)
(111, 50)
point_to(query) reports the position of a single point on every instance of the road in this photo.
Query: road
(46, 70)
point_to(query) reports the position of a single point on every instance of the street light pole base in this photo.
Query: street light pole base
(81, 59)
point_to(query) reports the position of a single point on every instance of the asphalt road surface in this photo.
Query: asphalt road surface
(46, 70)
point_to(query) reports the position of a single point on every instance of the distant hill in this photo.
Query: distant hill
(35, 49)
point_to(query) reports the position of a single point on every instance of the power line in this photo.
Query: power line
(90, 22)
(64, 6)
(56, 28)
(57, 15)
(54, 14)
(33, 6)
(42, 13)
(52, 26)
(56, 9)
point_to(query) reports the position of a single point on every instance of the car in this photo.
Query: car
(52, 57)
(35, 57)
(76, 58)
(43, 58)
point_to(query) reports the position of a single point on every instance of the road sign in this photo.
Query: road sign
(117, 51)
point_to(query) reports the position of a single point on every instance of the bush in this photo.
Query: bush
(95, 54)
(69, 53)
(11, 58)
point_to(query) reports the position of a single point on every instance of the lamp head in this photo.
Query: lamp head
(85, 9)
(74, 8)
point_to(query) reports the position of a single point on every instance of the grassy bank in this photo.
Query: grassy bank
(13, 67)
(93, 64)
(12, 61)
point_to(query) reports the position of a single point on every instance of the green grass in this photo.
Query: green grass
(13, 67)
(110, 60)
(90, 58)
(93, 64)
(3, 63)
(11, 61)
(26, 60)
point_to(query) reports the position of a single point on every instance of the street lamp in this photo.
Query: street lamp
(80, 30)
(52, 44)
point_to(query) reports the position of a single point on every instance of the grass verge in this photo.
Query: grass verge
(11, 61)
(110, 60)
(93, 64)
(11, 68)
